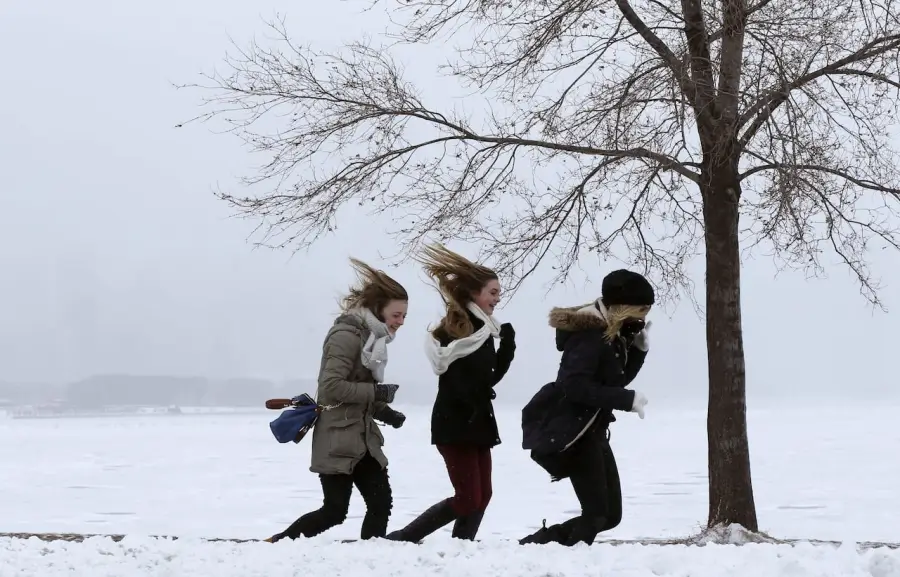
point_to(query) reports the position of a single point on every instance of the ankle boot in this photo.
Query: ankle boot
(553, 534)
(431, 520)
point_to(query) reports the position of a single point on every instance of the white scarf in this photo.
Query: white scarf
(374, 354)
(441, 357)
(596, 308)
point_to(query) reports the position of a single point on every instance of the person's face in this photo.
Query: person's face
(394, 314)
(488, 297)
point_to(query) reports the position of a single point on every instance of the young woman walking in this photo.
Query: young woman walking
(346, 441)
(566, 424)
(463, 355)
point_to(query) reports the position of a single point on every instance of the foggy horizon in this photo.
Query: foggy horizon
(250, 392)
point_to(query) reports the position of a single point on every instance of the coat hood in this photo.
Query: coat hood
(568, 320)
(350, 321)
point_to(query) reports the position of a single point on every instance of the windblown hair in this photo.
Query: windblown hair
(373, 290)
(456, 278)
(616, 316)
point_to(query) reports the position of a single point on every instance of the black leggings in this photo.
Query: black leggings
(373, 484)
(590, 466)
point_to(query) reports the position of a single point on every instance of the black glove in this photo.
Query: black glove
(391, 417)
(631, 327)
(507, 332)
(385, 393)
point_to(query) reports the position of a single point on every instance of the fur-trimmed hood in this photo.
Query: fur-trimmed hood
(568, 320)
(580, 318)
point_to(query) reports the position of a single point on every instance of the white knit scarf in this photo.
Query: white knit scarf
(596, 309)
(441, 357)
(374, 352)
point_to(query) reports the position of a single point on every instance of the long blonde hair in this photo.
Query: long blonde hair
(616, 315)
(373, 290)
(456, 278)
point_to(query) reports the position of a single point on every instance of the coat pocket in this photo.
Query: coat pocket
(346, 438)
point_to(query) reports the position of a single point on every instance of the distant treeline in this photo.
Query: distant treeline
(105, 390)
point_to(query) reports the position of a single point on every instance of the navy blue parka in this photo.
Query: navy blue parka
(589, 386)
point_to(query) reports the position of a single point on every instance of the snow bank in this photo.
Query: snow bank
(133, 556)
(730, 535)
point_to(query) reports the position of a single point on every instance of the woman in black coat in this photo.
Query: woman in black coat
(566, 424)
(463, 426)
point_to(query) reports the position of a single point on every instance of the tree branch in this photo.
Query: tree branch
(865, 183)
(679, 70)
(720, 33)
(701, 68)
(763, 108)
(582, 141)
(731, 59)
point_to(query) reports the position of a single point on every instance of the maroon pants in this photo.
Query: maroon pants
(470, 473)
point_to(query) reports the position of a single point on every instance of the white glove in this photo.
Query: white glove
(642, 339)
(640, 401)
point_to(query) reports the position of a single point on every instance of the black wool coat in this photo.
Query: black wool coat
(590, 383)
(463, 413)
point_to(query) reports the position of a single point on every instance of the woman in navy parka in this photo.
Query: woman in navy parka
(566, 424)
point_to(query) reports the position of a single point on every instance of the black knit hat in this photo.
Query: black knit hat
(624, 287)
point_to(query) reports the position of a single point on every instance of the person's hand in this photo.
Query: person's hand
(390, 417)
(385, 393)
(640, 401)
(507, 332)
(397, 419)
(631, 327)
(642, 339)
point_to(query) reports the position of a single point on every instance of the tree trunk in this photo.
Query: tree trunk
(730, 485)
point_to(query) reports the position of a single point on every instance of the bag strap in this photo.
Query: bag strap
(278, 404)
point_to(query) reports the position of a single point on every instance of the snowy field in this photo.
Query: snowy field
(824, 473)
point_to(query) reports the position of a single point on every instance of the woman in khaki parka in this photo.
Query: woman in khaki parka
(346, 441)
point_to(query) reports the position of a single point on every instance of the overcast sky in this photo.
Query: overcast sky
(117, 258)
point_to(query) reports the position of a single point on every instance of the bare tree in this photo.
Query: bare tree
(662, 123)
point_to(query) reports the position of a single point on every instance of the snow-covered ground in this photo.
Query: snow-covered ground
(825, 473)
(102, 558)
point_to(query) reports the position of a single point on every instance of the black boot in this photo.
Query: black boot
(467, 527)
(581, 530)
(569, 533)
(540, 537)
(425, 524)
(558, 533)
